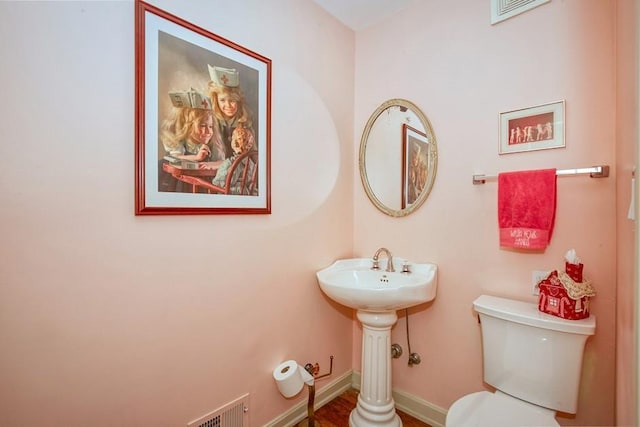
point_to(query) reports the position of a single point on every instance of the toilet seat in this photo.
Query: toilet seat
(485, 409)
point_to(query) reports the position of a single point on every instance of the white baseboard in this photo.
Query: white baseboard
(324, 395)
(412, 405)
(420, 409)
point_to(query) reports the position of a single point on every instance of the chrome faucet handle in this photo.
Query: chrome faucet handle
(405, 267)
(376, 264)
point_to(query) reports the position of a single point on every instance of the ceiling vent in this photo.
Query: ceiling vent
(505, 9)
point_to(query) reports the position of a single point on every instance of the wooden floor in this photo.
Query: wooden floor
(336, 413)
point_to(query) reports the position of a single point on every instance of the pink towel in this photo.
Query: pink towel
(526, 208)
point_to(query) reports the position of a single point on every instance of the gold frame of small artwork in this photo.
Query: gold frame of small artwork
(540, 127)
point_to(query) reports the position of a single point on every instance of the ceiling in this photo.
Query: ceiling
(359, 14)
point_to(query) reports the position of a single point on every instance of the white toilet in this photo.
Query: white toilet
(533, 359)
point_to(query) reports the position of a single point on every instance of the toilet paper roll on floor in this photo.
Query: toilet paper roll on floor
(291, 377)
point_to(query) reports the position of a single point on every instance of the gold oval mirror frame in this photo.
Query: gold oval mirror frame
(398, 157)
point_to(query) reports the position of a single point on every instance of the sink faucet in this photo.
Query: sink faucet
(389, 260)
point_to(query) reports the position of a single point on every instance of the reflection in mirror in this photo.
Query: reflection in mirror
(398, 157)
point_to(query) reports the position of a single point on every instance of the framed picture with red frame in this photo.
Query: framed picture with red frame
(202, 120)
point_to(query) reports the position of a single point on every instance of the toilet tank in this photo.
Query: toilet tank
(531, 355)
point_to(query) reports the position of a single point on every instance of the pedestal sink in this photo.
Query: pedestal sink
(376, 295)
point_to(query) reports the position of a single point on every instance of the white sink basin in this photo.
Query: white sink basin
(353, 283)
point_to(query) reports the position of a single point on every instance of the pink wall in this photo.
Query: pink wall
(626, 157)
(102, 322)
(462, 71)
(110, 319)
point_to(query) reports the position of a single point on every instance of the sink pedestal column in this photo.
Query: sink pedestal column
(375, 402)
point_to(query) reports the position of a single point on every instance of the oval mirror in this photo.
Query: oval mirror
(398, 157)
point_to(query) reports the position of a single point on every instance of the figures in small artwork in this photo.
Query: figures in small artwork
(544, 131)
(539, 132)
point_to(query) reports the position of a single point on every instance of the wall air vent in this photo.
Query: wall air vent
(504, 9)
(233, 414)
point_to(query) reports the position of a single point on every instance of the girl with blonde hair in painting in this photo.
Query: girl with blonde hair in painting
(229, 105)
(190, 132)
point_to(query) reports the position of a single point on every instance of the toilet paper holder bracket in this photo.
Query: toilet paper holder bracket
(315, 369)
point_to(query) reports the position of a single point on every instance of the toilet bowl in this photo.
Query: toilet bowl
(485, 409)
(532, 359)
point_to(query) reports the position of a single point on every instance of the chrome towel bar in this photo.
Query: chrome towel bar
(594, 172)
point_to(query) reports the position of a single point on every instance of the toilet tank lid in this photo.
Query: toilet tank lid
(528, 314)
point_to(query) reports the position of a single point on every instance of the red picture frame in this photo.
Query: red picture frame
(177, 65)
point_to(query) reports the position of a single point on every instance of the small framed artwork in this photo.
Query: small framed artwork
(534, 128)
(415, 153)
(203, 112)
